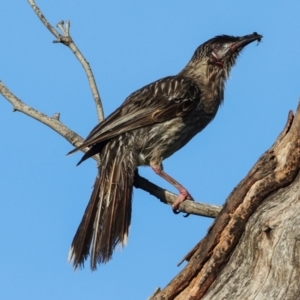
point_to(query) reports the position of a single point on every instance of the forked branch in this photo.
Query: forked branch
(54, 123)
(66, 39)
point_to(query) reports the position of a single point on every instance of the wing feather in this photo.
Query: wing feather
(162, 100)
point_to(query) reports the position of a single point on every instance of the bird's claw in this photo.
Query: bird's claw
(184, 195)
(177, 211)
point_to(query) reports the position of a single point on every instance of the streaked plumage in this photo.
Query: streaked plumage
(151, 124)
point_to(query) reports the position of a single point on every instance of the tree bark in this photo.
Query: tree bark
(252, 250)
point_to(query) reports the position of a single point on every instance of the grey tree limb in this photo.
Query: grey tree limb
(66, 39)
(54, 123)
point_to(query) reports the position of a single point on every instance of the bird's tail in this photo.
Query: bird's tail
(106, 220)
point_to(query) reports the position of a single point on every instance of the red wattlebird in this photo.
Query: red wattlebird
(151, 124)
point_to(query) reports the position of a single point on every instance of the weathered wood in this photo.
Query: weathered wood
(189, 207)
(266, 263)
(215, 261)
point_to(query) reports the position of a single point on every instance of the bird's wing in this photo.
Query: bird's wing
(162, 100)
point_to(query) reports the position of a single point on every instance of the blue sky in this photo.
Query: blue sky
(128, 44)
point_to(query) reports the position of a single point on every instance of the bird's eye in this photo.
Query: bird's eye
(217, 46)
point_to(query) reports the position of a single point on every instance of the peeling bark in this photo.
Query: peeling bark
(252, 249)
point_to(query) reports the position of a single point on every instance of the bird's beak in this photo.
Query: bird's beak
(245, 40)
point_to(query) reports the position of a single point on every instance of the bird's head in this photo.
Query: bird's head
(217, 55)
(222, 51)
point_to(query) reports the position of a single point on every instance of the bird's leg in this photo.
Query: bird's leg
(183, 192)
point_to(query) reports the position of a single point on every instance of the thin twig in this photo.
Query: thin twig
(66, 39)
(164, 196)
(52, 122)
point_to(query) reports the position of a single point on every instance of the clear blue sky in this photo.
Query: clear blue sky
(128, 44)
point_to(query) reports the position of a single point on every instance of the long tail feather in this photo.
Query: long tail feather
(107, 217)
(80, 247)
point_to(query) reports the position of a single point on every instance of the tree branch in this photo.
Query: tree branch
(67, 40)
(52, 122)
(76, 140)
(164, 196)
(187, 206)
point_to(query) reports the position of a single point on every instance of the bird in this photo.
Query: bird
(151, 124)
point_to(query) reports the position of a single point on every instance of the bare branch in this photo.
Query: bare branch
(52, 122)
(67, 40)
(43, 19)
(91, 79)
(164, 196)
(187, 206)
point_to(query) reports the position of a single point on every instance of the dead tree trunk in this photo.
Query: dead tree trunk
(252, 250)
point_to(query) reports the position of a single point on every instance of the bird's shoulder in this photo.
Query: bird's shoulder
(161, 100)
(169, 89)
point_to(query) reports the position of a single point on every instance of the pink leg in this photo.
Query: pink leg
(183, 192)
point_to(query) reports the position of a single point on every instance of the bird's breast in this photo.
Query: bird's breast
(161, 140)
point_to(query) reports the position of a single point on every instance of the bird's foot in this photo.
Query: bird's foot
(183, 195)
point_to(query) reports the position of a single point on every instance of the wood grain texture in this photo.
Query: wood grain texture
(267, 259)
(235, 241)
